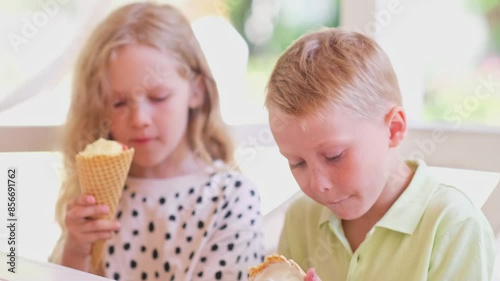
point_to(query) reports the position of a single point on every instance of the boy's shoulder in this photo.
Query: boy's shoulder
(449, 207)
(430, 202)
(448, 198)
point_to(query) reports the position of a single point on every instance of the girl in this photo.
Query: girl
(143, 81)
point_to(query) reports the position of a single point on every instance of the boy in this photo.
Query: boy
(335, 112)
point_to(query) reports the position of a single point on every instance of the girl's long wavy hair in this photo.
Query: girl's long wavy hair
(159, 26)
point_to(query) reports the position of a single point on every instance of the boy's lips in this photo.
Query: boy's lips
(339, 200)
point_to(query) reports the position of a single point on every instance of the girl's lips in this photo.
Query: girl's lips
(141, 140)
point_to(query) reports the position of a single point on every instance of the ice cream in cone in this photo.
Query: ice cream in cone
(102, 170)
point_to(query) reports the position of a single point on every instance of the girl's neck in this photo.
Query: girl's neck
(182, 162)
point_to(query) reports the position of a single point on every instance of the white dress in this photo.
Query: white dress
(204, 226)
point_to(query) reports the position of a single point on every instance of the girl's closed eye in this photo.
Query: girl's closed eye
(159, 98)
(120, 103)
(159, 95)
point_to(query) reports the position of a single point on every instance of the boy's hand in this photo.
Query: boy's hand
(83, 228)
(311, 275)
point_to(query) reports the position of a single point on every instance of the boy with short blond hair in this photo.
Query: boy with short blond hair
(336, 114)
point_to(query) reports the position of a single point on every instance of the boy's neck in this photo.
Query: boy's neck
(399, 178)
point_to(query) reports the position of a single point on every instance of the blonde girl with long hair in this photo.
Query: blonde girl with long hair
(185, 213)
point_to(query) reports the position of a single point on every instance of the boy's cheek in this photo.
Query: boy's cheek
(301, 180)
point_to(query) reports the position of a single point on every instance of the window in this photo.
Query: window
(447, 55)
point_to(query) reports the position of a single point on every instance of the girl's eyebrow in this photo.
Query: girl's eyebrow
(118, 94)
(157, 88)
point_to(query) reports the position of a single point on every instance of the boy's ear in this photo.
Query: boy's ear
(198, 91)
(396, 122)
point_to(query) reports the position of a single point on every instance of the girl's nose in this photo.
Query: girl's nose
(140, 114)
(320, 181)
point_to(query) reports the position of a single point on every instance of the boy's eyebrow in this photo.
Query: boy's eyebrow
(286, 155)
(332, 142)
(328, 142)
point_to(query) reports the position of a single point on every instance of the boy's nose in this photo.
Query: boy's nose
(320, 181)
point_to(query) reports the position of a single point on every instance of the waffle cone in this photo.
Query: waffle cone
(103, 176)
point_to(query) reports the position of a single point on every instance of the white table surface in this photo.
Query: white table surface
(30, 270)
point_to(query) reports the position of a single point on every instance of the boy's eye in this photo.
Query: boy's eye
(297, 165)
(336, 157)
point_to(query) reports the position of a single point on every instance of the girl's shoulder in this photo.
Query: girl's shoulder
(230, 179)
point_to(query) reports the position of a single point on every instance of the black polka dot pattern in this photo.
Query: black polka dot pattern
(185, 229)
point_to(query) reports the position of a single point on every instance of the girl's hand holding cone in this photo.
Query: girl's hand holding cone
(83, 227)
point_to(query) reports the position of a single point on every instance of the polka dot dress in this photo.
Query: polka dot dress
(195, 227)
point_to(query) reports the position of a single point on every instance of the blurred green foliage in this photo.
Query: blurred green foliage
(283, 33)
(486, 5)
(263, 57)
(459, 100)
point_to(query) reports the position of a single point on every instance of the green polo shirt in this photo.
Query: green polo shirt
(432, 232)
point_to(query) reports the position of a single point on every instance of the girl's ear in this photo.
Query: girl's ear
(198, 91)
(396, 122)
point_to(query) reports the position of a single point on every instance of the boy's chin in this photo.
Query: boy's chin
(347, 213)
(347, 216)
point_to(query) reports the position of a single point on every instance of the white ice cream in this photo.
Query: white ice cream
(279, 272)
(102, 147)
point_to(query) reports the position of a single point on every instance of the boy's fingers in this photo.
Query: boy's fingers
(311, 275)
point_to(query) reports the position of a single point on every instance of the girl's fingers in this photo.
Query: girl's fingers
(85, 200)
(92, 226)
(82, 225)
(94, 236)
(82, 200)
(85, 240)
(92, 230)
(79, 212)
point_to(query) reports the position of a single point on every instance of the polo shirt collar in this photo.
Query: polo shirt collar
(407, 211)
